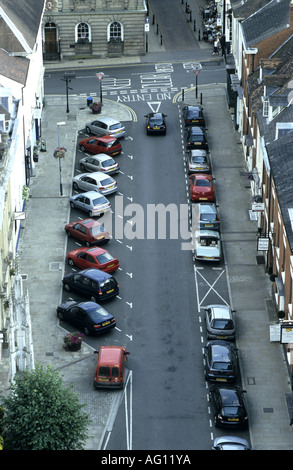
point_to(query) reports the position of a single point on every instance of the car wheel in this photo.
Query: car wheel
(82, 148)
(216, 423)
(60, 315)
(72, 205)
(88, 131)
(86, 331)
(93, 299)
(75, 185)
(87, 244)
(66, 287)
(70, 261)
(82, 167)
(90, 214)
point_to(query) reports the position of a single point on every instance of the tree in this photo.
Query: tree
(40, 413)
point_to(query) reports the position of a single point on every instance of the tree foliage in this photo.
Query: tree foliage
(40, 413)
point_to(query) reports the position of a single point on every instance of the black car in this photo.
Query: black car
(155, 123)
(228, 406)
(221, 361)
(196, 138)
(193, 116)
(92, 283)
(88, 317)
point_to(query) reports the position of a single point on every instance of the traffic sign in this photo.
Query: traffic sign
(100, 75)
(197, 68)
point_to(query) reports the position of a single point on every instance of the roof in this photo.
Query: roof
(244, 8)
(280, 154)
(266, 22)
(14, 68)
(22, 22)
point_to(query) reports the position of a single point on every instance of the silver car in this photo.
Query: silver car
(92, 202)
(208, 216)
(96, 181)
(106, 126)
(207, 245)
(198, 161)
(219, 322)
(100, 162)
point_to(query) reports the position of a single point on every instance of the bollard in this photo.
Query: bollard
(182, 94)
(199, 34)
(194, 26)
(161, 39)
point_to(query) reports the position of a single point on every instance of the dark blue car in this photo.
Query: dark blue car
(92, 283)
(88, 317)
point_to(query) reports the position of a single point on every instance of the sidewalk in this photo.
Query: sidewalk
(264, 372)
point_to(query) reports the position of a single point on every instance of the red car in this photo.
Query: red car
(202, 188)
(104, 144)
(89, 231)
(94, 257)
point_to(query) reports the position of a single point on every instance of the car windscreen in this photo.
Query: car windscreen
(108, 163)
(100, 200)
(104, 258)
(203, 183)
(222, 365)
(156, 121)
(96, 230)
(104, 371)
(112, 143)
(221, 324)
(106, 181)
(193, 113)
(208, 217)
(97, 313)
(115, 126)
(198, 159)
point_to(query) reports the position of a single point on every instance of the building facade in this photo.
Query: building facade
(79, 29)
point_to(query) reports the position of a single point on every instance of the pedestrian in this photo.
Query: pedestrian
(216, 46)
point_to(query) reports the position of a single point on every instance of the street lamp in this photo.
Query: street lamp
(59, 157)
(100, 76)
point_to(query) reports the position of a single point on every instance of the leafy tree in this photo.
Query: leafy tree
(42, 414)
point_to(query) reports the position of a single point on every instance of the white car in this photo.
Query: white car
(207, 245)
(106, 126)
(100, 162)
(96, 181)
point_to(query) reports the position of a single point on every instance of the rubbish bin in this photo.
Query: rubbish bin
(89, 100)
(43, 145)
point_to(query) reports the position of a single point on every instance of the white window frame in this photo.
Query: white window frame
(87, 34)
(110, 35)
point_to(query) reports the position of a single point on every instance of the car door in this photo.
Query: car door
(75, 315)
(88, 184)
(81, 260)
(92, 164)
(79, 231)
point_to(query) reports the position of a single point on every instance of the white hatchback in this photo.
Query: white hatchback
(106, 126)
(96, 181)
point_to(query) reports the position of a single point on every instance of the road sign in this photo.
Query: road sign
(197, 68)
(100, 75)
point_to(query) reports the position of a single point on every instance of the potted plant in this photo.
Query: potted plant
(73, 341)
(96, 107)
(60, 152)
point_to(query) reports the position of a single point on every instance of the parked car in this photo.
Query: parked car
(228, 406)
(105, 144)
(100, 162)
(193, 116)
(221, 361)
(155, 123)
(111, 369)
(88, 231)
(93, 258)
(230, 443)
(106, 126)
(207, 245)
(220, 322)
(208, 216)
(92, 283)
(198, 161)
(202, 187)
(96, 181)
(196, 138)
(88, 317)
(92, 202)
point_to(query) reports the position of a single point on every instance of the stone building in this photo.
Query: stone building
(78, 29)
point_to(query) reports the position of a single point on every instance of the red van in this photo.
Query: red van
(111, 367)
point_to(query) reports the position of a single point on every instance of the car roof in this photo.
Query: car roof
(87, 222)
(201, 152)
(220, 311)
(105, 138)
(96, 274)
(209, 233)
(196, 130)
(110, 354)
(207, 207)
(90, 194)
(109, 120)
(198, 106)
(220, 349)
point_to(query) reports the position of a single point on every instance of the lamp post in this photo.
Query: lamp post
(60, 174)
(197, 68)
(100, 76)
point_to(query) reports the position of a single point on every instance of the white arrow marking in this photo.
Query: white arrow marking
(129, 336)
(130, 247)
(130, 275)
(130, 304)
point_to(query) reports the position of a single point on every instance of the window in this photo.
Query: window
(82, 33)
(115, 32)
